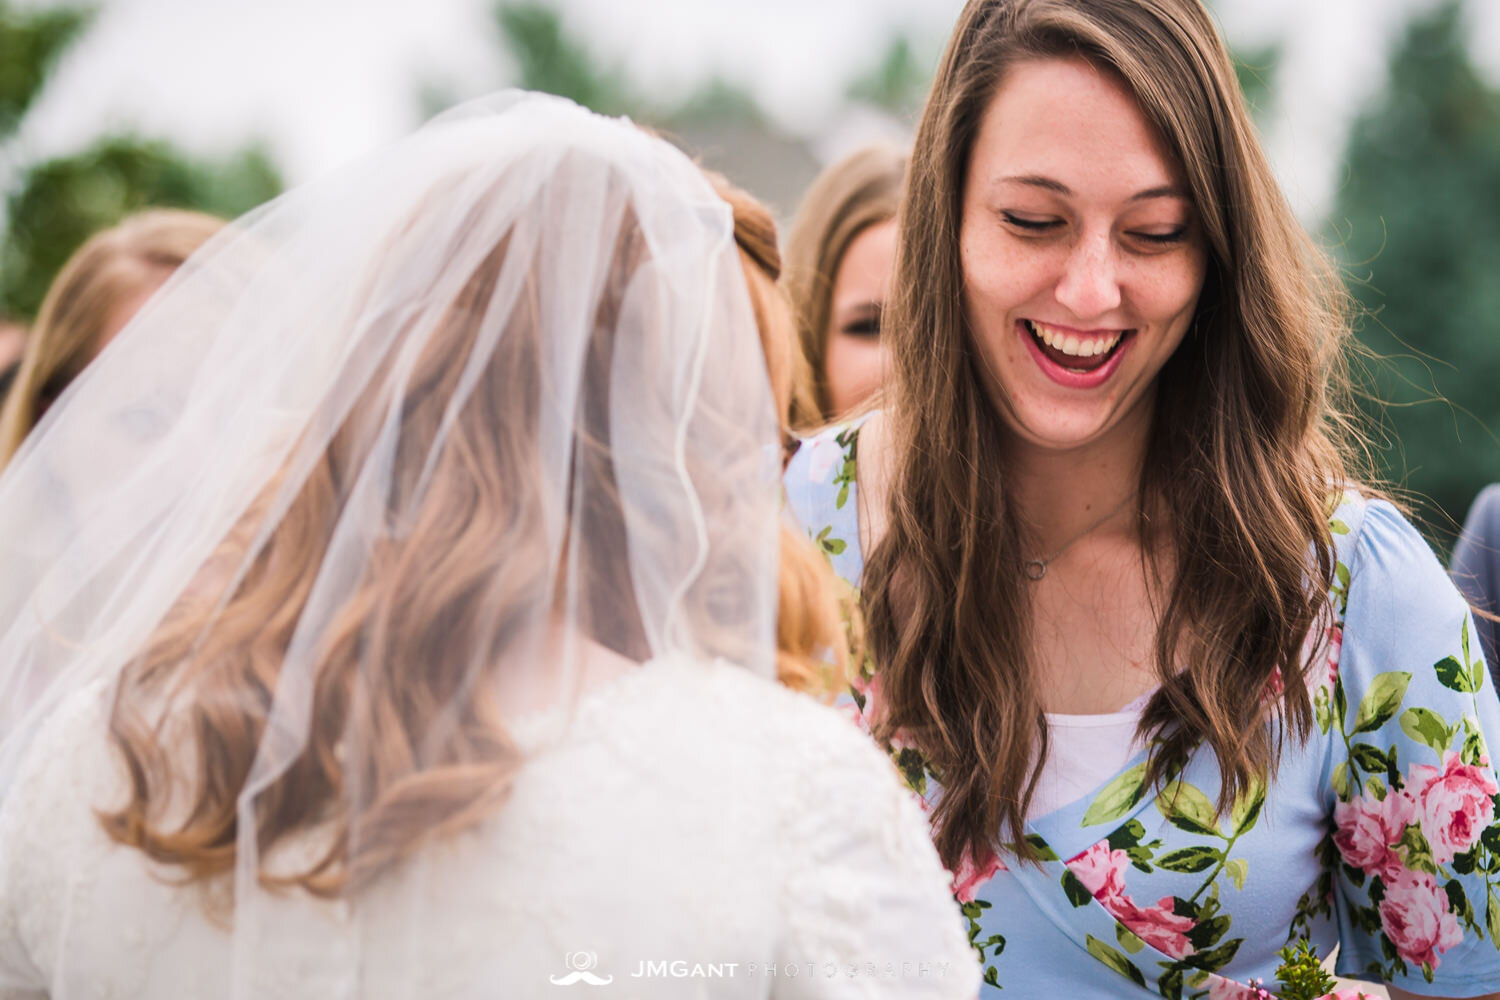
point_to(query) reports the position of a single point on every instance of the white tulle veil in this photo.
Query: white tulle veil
(383, 473)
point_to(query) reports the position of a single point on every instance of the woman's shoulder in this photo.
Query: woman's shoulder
(837, 478)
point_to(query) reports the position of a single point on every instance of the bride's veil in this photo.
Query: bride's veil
(399, 464)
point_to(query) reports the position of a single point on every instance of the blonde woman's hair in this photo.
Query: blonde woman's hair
(471, 562)
(112, 266)
(859, 191)
(812, 650)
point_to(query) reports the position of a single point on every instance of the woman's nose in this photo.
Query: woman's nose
(1089, 286)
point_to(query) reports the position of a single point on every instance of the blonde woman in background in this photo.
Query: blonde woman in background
(840, 252)
(95, 294)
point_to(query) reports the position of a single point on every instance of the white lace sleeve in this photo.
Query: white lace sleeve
(17, 971)
(870, 912)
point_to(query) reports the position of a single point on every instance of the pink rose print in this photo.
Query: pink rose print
(1101, 871)
(1275, 687)
(969, 877)
(824, 451)
(1414, 915)
(1367, 830)
(1156, 925)
(1220, 988)
(1346, 995)
(1454, 804)
(1335, 646)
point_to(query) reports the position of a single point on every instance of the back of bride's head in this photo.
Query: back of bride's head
(436, 445)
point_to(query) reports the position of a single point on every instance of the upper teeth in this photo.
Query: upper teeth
(1071, 343)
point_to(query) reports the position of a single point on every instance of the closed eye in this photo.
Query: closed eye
(1031, 225)
(1163, 239)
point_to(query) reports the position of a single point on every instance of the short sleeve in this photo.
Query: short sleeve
(1411, 784)
(869, 908)
(821, 491)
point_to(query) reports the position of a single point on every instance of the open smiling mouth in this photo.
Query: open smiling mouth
(1067, 350)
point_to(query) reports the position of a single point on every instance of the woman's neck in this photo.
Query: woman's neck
(1060, 494)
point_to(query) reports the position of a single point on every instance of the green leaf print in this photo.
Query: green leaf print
(1477, 670)
(1454, 675)
(1190, 859)
(1188, 809)
(913, 768)
(1043, 849)
(1382, 701)
(1492, 918)
(1078, 894)
(1115, 960)
(1458, 901)
(1416, 851)
(1473, 749)
(1369, 758)
(1216, 959)
(1127, 938)
(1118, 797)
(1338, 527)
(1238, 869)
(1247, 809)
(1340, 780)
(1426, 727)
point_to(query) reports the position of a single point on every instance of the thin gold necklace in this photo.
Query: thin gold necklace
(1035, 569)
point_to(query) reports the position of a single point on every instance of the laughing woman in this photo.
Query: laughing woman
(1178, 689)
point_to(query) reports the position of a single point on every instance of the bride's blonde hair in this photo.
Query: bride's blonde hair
(431, 753)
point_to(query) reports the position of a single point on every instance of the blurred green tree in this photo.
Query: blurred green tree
(30, 43)
(1418, 226)
(62, 202)
(56, 205)
(548, 59)
(898, 82)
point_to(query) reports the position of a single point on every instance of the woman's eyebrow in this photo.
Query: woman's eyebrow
(1049, 184)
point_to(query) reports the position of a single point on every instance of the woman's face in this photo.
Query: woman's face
(1081, 252)
(854, 359)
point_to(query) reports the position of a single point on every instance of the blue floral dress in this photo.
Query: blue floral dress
(1378, 835)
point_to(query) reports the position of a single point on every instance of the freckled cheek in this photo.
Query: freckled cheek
(998, 284)
(1168, 295)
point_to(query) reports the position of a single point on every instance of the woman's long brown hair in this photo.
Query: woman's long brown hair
(403, 743)
(130, 258)
(1246, 449)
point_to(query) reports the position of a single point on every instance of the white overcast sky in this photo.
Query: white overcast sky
(321, 81)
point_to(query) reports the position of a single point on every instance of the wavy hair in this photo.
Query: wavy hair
(469, 566)
(111, 267)
(1247, 447)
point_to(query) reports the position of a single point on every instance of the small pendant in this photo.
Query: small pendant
(1035, 569)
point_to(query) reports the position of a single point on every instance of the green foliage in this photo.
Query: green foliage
(1301, 974)
(549, 60)
(898, 83)
(62, 202)
(30, 43)
(1419, 223)
(718, 101)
